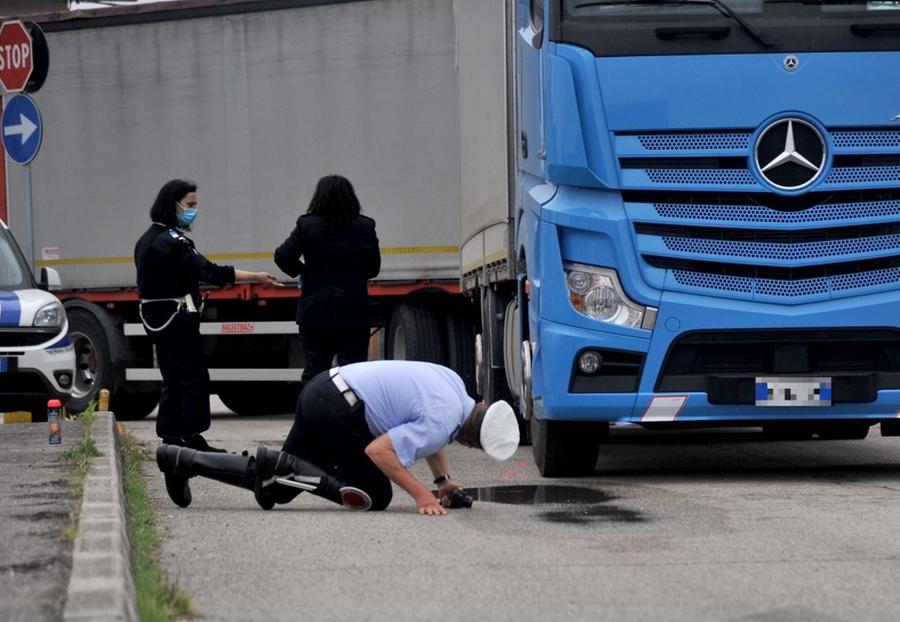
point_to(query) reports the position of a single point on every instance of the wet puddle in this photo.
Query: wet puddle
(575, 505)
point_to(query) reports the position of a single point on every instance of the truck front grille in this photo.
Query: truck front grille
(701, 216)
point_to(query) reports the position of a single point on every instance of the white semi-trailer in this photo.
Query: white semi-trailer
(254, 101)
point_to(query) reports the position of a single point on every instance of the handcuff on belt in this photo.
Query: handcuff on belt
(185, 303)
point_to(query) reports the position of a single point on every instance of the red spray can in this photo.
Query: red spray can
(54, 411)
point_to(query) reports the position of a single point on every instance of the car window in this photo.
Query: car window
(12, 272)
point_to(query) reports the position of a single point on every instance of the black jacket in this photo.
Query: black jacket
(168, 266)
(335, 270)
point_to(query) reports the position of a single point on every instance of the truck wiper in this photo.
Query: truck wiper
(723, 8)
(818, 2)
(867, 30)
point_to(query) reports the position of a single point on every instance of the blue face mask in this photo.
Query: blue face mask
(187, 215)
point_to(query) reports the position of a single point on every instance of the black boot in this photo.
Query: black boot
(297, 475)
(176, 484)
(181, 463)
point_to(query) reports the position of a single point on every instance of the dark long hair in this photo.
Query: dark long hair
(335, 202)
(164, 210)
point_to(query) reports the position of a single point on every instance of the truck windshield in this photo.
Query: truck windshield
(13, 274)
(665, 27)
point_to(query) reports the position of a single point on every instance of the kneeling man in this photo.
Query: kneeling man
(357, 429)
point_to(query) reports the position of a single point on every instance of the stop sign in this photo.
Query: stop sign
(16, 58)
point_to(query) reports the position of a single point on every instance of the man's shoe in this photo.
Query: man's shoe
(199, 443)
(265, 489)
(176, 485)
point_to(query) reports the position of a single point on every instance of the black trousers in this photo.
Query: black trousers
(184, 401)
(333, 436)
(320, 346)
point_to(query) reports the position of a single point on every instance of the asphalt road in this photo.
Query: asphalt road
(698, 526)
(35, 502)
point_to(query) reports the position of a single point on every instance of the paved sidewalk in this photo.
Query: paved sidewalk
(35, 503)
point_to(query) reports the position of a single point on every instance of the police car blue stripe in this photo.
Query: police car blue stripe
(10, 309)
(63, 342)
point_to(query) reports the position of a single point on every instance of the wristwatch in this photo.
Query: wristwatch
(441, 479)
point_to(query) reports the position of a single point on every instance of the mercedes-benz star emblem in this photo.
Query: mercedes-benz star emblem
(791, 62)
(790, 154)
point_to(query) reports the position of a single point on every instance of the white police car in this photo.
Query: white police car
(37, 360)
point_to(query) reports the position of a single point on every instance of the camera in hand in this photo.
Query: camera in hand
(459, 499)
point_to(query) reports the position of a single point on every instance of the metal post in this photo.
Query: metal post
(29, 221)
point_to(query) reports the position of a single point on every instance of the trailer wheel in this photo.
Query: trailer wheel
(415, 335)
(566, 448)
(843, 431)
(256, 399)
(461, 347)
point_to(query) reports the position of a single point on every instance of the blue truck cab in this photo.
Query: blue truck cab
(708, 222)
(37, 361)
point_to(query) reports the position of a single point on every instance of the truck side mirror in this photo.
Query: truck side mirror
(50, 279)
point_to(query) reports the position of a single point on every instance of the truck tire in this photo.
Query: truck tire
(566, 448)
(94, 370)
(131, 406)
(461, 346)
(414, 334)
(257, 399)
(788, 431)
(843, 431)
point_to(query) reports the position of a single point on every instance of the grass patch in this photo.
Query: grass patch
(80, 456)
(157, 597)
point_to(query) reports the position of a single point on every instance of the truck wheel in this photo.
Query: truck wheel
(843, 431)
(256, 399)
(566, 448)
(93, 367)
(461, 347)
(133, 406)
(788, 431)
(415, 335)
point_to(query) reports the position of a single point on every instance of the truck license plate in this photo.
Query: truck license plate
(793, 391)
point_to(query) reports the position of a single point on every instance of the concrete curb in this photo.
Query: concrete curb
(101, 586)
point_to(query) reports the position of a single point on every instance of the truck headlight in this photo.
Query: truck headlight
(597, 293)
(50, 315)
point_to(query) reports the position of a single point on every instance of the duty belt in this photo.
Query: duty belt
(185, 302)
(343, 387)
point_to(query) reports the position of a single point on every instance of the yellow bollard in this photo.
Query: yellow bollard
(17, 417)
(103, 404)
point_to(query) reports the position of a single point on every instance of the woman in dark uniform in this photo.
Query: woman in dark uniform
(339, 251)
(169, 272)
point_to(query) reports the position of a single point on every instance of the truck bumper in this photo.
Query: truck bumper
(665, 397)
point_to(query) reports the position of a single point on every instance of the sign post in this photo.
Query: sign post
(21, 121)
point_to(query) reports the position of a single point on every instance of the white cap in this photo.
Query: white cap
(499, 435)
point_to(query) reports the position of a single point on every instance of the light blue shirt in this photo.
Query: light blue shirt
(421, 406)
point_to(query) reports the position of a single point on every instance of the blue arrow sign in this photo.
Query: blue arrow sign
(22, 132)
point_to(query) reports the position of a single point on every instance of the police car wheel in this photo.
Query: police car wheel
(92, 363)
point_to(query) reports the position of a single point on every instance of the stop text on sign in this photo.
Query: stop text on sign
(15, 56)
